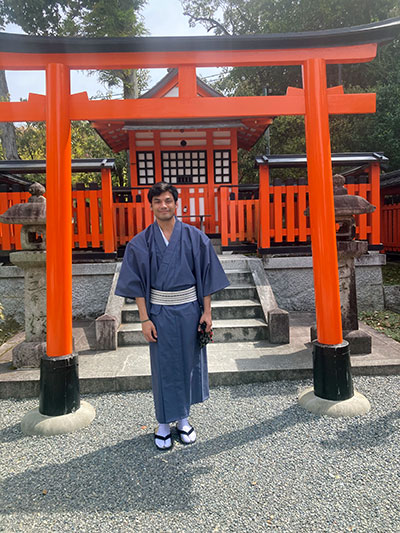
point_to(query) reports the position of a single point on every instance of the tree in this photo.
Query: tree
(85, 144)
(235, 17)
(88, 18)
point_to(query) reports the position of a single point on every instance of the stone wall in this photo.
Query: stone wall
(392, 297)
(291, 279)
(91, 284)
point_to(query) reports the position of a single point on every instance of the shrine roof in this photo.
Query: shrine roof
(376, 32)
(115, 133)
(390, 179)
(338, 159)
(38, 166)
(173, 73)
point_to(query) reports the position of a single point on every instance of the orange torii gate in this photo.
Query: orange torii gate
(312, 50)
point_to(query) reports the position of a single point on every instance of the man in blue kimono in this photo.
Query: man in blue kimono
(171, 270)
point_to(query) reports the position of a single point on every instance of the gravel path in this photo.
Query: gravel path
(261, 463)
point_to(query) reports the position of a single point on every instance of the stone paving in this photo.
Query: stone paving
(128, 368)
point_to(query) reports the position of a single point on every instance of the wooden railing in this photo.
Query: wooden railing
(277, 217)
(10, 233)
(390, 219)
(92, 217)
(268, 215)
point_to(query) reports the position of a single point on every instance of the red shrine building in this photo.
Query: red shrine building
(197, 156)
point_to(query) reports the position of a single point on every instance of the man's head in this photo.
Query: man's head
(158, 188)
(163, 197)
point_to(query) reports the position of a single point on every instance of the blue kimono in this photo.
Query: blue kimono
(178, 365)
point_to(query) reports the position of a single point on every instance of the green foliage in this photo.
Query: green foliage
(85, 144)
(387, 322)
(391, 274)
(84, 18)
(375, 132)
(88, 18)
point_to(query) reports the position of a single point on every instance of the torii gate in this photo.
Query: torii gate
(312, 50)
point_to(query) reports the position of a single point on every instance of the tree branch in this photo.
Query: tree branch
(214, 23)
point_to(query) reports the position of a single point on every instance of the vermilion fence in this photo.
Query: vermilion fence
(272, 214)
(10, 233)
(277, 217)
(132, 213)
(92, 219)
(390, 216)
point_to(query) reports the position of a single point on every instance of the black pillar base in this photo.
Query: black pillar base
(59, 385)
(332, 371)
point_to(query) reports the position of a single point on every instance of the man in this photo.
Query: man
(172, 270)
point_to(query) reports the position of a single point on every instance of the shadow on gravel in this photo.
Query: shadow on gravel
(267, 389)
(366, 434)
(132, 475)
(11, 433)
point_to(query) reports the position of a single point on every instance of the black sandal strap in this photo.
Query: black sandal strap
(182, 432)
(160, 437)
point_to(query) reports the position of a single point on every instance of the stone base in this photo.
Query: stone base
(360, 342)
(357, 405)
(106, 332)
(28, 354)
(278, 326)
(34, 423)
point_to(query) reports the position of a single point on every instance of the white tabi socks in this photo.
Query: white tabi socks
(184, 425)
(163, 430)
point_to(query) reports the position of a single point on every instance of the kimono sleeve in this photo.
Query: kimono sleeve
(212, 274)
(133, 276)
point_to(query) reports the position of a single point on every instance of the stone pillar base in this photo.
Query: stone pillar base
(357, 405)
(360, 342)
(28, 354)
(34, 423)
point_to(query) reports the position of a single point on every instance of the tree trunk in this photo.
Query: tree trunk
(7, 129)
(130, 84)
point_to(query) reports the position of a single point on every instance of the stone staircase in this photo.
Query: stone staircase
(241, 312)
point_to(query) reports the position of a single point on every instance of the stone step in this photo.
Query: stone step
(233, 261)
(236, 292)
(221, 309)
(236, 309)
(238, 330)
(239, 277)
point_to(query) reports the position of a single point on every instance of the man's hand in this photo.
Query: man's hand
(149, 331)
(206, 317)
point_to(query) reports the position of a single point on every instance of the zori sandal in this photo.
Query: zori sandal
(160, 437)
(186, 433)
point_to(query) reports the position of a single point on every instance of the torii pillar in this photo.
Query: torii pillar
(333, 392)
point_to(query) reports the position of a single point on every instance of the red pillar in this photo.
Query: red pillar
(59, 212)
(322, 214)
(108, 211)
(375, 217)
(264, 239)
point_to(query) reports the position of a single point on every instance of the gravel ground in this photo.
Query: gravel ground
(261, 463)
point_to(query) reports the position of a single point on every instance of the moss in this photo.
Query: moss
(387, 322)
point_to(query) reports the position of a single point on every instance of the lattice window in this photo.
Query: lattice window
(184, 167)
(145, 167)
(222, 166)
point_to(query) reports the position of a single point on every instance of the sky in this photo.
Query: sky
(161, 17)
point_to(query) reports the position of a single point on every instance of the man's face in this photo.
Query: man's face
(163, 206)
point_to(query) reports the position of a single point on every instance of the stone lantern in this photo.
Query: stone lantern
(346, 206)
(32, 260)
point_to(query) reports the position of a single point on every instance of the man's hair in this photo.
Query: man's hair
(158, 188)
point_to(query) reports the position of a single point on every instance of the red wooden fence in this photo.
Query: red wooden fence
(276, 218)
(390, 220)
